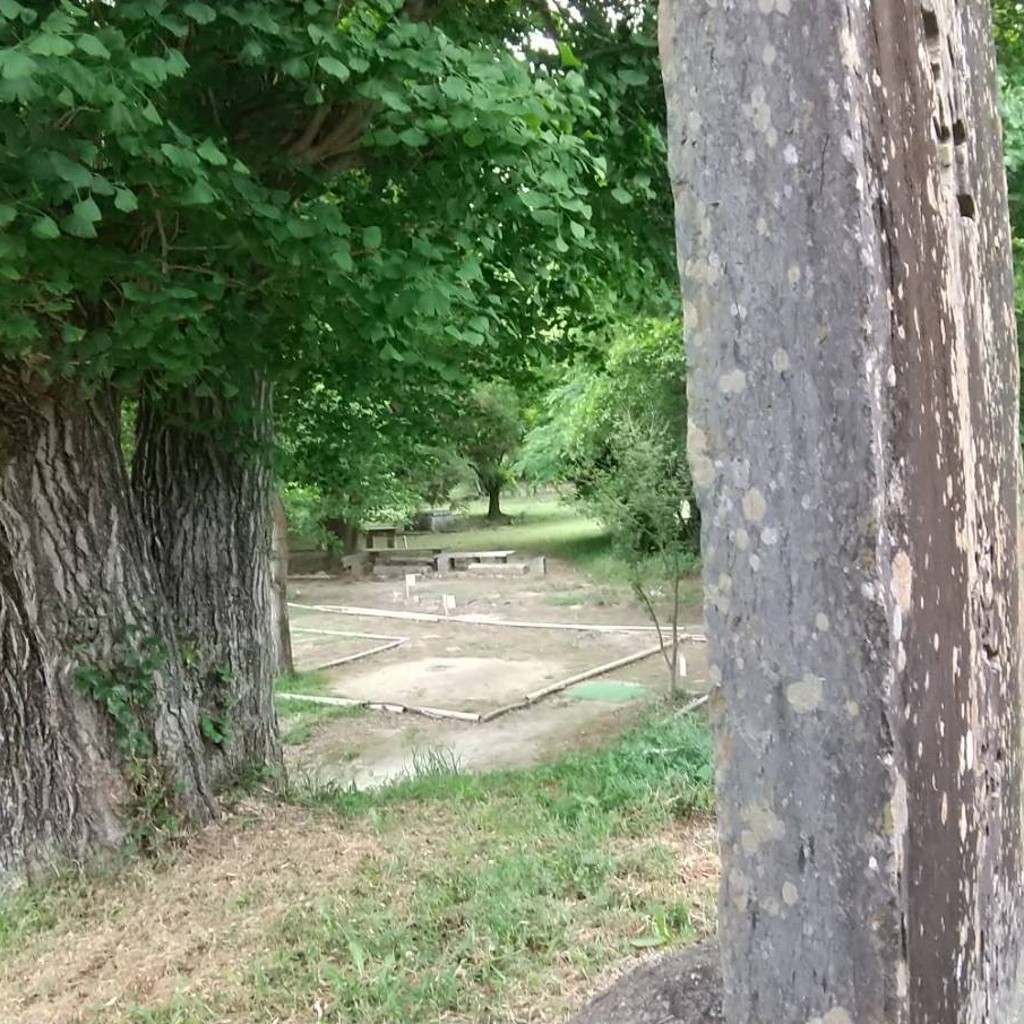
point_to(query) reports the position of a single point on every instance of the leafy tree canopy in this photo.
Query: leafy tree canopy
(188, 190)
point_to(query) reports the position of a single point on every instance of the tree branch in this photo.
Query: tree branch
(641, 593)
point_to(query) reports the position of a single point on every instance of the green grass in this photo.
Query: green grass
(489, 897)
(527, 871)
(314, 684)
(299, 719)
(540, 526)
(650, 775)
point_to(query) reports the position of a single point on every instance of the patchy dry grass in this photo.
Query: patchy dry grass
(299, 719)
(506, 897)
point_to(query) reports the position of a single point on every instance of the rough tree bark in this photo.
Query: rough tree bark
(77, 593)
(845, 261)
(205, 490)
(286, 664)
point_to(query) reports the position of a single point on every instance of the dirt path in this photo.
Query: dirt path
(474, 668)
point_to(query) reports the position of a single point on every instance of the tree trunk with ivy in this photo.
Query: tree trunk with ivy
(845, 257)
(205, 490)
(99, 737)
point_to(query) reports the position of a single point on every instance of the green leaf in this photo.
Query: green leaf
(648, 942)
(535, 200)
(126, 200)
(176, 63)
(385, 137)
(211, 154)
(198, 194)
(46, 44)
(561, 245)
(621, 195)
(632, 77)
(201, 14)
(174, 25)
(253, 51)
(474, 137)
(393, 97)
(81, 222)
(334, 68)
(414, 137)
(45, 227)
(92, 46)
(372, 238)
(470, 270)
(88, 210)
(567, 57)
(579, 232)
(99, 186)
(7, 214)
(9, 9)
(556, 178)
(70, 170)
(298, 228)
(179, 156)
(152, 69)
(342, 256)
(14, 65)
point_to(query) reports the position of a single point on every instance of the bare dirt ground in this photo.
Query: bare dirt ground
(472, 667)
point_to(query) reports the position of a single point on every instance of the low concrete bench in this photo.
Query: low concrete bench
(449, 560)
(388, 534)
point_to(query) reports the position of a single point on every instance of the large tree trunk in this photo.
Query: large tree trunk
(205, 489)
(490, 483)
(286, 664)
(845, 260)
(80, 614)
(494, 500)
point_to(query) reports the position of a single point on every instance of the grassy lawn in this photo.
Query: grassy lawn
(448, 897)
(543, 526)
(540, 526)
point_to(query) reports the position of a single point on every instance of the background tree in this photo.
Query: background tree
(487, 433)
(616, 434)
